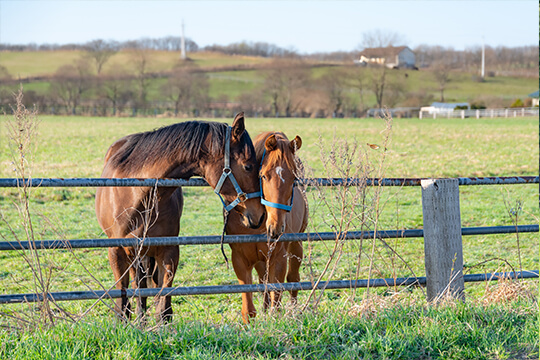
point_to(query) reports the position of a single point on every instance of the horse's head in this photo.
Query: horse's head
(243, 166)
(278, 172)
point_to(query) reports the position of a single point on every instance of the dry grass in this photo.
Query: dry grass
(507, 290)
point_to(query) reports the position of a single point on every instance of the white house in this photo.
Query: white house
(392, 57)
(534, 97)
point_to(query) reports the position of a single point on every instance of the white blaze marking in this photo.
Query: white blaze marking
(279, 170)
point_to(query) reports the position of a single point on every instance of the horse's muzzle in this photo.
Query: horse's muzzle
(252, 223)
(273, 232)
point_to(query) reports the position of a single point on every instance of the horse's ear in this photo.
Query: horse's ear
(296, 143)
(238, 126)
(270, 143)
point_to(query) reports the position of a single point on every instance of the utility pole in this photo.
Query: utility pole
(483, 57)
(183, 44)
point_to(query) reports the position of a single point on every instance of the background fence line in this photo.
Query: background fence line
(480, 113)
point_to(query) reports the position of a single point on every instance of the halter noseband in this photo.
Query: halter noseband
(287, 208)
(227, 173)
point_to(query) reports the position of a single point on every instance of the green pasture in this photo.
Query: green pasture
(408, 332)
(75, 147)
(44, 63)
(210, 326)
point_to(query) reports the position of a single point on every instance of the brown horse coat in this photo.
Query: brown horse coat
(176, 151)
(270, 258)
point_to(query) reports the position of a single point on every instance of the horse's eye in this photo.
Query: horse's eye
(248, 168)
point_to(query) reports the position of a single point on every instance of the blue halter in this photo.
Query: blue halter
(287, 208)
(227, 173)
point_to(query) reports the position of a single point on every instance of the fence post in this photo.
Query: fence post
(442, 238)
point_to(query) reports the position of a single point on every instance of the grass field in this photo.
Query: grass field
(409, 332)
(74, 147)
(23, 64)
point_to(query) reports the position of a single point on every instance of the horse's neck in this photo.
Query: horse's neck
(183, 170)
(173, 168)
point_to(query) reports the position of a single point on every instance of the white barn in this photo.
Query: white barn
(392, 57)
(443, 108)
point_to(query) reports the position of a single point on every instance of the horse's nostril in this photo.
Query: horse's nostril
(256, 225)
(261, 220)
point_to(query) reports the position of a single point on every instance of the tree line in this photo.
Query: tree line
(288, 88)
(500, 57)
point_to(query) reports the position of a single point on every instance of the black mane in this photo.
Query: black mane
(183, 142)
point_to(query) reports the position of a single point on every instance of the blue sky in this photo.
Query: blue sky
(306, 26)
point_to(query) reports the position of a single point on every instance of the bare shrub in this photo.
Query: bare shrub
(42, 265)
(21, 131)
(352, 206)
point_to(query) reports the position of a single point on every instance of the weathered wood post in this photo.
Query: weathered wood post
(442, 238)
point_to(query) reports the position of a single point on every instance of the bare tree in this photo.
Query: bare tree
(69, 83)
(378, 83)
(334, 85)
(5, 76)
(140, 59)
(115, 87)
(100, 52)
(251, 102)
(441, 71)
(358, 81)
(283, 83)
(186, 88)
(386, 87)
(381, 38)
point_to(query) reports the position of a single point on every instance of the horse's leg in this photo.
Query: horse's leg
(167, 262)
(242, 268)
(138, 272)
(260, 267)
(119, 262)
(295, 255)
(152, 277)
(277, 272)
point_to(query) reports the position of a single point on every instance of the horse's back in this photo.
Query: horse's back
(120, 210)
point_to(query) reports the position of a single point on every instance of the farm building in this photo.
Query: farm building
(392, 57)
(534, 97)
(439, 107)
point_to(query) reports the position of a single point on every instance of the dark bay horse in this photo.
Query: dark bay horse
(286, 212)
(208, 149)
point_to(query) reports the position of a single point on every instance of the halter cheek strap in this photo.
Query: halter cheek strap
(227, 173)
(287, 208)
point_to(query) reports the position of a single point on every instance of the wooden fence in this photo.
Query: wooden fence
(442, 235)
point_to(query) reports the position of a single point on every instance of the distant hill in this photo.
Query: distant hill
(245, 81)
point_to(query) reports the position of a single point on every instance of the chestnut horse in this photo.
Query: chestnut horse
(212, 150)
(286, 212)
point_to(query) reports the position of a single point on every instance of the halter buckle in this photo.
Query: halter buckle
(242, 196)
